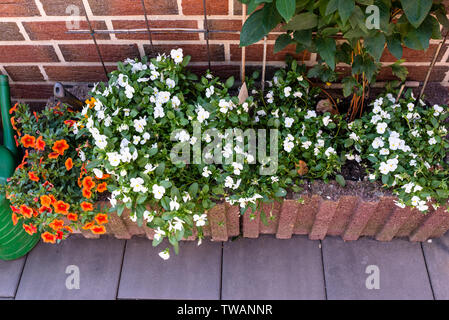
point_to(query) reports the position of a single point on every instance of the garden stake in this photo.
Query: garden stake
(243, 66)
(148, 25)
(206, 33)
(264, 63)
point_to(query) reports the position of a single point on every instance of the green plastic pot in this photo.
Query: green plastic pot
(14, 241)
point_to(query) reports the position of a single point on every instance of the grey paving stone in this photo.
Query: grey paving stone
(269, 268)
(349, 266)
(99, 262)
(193, 274)
(10, 272)
(436, 254)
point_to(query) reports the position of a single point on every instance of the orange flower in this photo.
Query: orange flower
(30, 229)
(88, 183)
(70, 123)
(45, 209)
(62, 207)
(14, 209)
(90, 102)
(13, 123)
(26, 211)
(101, 218)
(45, 201)
(48, 237)
(72, 217)
(56, 224)
(40, 144)
(102, 187)
(69, 164)
(33, 176)
(86, 206)
(68, 229)
(13, 109)
(98, 230)
(15, 219)
(88, 226)
(53, 155)
(53, 199)
(87, 193)
(28, 141)
(60, 146)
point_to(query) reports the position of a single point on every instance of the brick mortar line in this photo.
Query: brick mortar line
(130, 17)
(58, 52)
(23, 31)
(40, 7)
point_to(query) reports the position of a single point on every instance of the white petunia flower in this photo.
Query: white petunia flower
(158, 191)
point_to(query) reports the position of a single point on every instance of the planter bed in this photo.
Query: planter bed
(356, 210)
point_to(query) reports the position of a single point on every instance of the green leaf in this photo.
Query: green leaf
(302, 21)
(332, 6)
(230, 82)
(193, 189)
(303, 37)
(281, 192)
(286, 8)
(349, 84)
(281, 42)
(416, 10)
(375, 45)
(398, 70)
(395, 45)
(253, 30)
(327, 50)
(345, 9)
(341, 181)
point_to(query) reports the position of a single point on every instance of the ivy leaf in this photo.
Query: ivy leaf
(395, 46)
(286, 8)
(281, 42)
(375, 45)
(345, 9)
(327, 49)
(302, 21)
(416, 11)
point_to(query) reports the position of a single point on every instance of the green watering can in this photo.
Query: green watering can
(14, 241)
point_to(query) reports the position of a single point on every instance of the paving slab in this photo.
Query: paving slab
(436, 254)
(192, 274)
(367, 269)
(269, 268)
(51, 270)
(10, 272)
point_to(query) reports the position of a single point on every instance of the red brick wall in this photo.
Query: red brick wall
(36, 50)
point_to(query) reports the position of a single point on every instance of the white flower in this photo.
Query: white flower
(174, 205)
(384, 152)
(376, 118)
(394, 143)
(129, 92)
(154, 75)
(101, 141)
(372, 176)
(148, 216)
(438, 110)
(170, 83)
(237, 167)
(408, 187)
(139, 125)
(206, 172)
(326, 120)
(224, 106)
(158, 191)
(392, 164)
(415, 201)
(186, 197)
(274, 179)
(229, 182)
(288, 122)
(143, 79)
(182, 136)
(200, 219)
(297, 94)
(158, 112)
(306, 144)
(432, 141)
(210, 91)
(400, 204)
(202, 114)
(329, 151)
(384, 168)
(354, 137)
(288, 146)
(114, 158)
(149, 168)
(413, 163)
(410, 106)
(164, 255)
(381, 127)
(310, 114)
(177, 55)
(162, 97)
(137, 184)
(98, 173)
(122, 80)
(158, 233)
(175, 102)
(378, 143)
(287, 91)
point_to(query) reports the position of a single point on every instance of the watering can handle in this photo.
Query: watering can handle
(5, 105)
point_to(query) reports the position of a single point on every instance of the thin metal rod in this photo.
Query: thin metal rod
(92, 33)
(206, 34)
(264, 62)
(153, 31)
(434, 60)
(148, 26)
(243, 66)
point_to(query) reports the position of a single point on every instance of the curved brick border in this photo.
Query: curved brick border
(349, 217)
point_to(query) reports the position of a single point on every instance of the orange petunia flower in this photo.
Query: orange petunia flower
(72, 217)
(33, 176)
(13, 109)
(90, 102)
(102, 187)
(26, 211)
(87, 193)
(69, 123)
(56, 224)
(69, 164)
(53, 199)
(53, 155)
(13, 123)
(45, 201)
(88, 183)
(14, 209)
(15, 218)
(44, 209)
(88, 226)
(98, 230)
(69, 229)
(60, 146)
(28, 141)
(40, 144)
(86, 206)
(30, 229)
(62, 207)
(101, 218)
(48, 237)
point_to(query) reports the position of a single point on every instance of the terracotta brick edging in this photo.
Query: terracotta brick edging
(348, 216)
